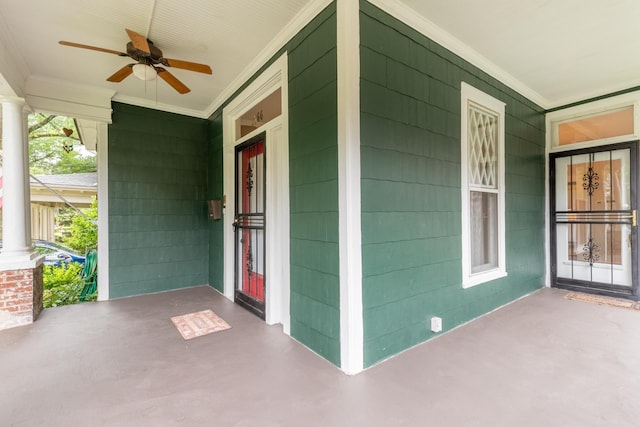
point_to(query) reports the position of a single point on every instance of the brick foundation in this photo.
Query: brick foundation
(20, 296)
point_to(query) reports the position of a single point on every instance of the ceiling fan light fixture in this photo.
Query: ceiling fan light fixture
(144, 72)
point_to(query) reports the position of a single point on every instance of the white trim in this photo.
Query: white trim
(426, 27)
(471, 94)
(277, 208)
(68, 99)
(161, 106)
(305, 16)
(349, 196)
(103, 211)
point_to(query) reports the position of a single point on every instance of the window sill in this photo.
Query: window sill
(484, 277)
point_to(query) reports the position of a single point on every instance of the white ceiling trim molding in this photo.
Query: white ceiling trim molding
(89, 133)
(609, 92)
(410, 17)
(139, 102)
(57, 97)
(287, 33)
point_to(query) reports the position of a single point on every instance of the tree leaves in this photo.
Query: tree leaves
(49, 140)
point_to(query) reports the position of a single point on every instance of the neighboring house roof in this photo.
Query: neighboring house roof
(69, 180)
(77, 188)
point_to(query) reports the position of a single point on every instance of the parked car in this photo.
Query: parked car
(56, 254)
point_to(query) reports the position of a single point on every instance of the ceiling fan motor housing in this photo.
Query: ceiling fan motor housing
(144, 57)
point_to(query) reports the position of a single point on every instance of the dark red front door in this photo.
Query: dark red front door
(249, 225)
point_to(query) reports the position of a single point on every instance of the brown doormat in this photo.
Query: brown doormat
(601, 300)
(200, 323)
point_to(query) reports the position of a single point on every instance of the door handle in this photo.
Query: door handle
(633, 217)
(235, 224)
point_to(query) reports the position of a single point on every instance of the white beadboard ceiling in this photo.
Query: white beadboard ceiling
(554, 52)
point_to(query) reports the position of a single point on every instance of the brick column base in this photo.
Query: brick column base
(20, 296)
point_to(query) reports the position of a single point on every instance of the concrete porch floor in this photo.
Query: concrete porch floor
(541, 361)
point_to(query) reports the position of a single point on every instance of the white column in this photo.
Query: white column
(351, 314)
(103, 211)
(16, 212)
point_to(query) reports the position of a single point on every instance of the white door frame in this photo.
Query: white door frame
(277, 269)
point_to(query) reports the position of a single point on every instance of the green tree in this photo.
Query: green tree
(53, 146)
(62, 285)
(83, 231)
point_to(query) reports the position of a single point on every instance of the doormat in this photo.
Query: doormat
(601, 300)
(200, 323)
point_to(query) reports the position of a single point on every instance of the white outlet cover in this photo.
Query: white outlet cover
(436, 324)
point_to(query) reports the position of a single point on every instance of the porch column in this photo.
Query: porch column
(20, 265)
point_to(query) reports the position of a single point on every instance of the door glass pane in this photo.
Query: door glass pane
(250, 243)
(483, 231)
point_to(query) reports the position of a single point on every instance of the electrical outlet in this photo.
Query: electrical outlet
(436, 324)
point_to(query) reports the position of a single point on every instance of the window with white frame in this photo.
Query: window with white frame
(482, 160)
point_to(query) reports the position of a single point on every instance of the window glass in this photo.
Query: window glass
(484, 231)
(594, 127)
(483, 138)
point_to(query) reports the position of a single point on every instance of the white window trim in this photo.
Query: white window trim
(471, 94)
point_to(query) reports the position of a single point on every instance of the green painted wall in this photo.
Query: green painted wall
(411, 207)
(315, 303)
(157, 212)
(313, 173)
(215, 191)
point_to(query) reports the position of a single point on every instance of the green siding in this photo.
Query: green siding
(411, 207)
(215, 191)
(313, 174)
(313, 177)
(157, 211)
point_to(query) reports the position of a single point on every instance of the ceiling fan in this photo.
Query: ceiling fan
(150, 62)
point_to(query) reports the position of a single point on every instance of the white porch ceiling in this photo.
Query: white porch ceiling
(554, 52)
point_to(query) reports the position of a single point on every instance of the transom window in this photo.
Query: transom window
(482, 137)
(603, 122)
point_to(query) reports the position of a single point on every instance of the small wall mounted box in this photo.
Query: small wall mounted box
(215, 209)
(436, 324)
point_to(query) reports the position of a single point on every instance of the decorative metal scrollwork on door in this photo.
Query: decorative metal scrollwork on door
(591, 251)
(249, 259)
(250, 180)
(590, 181)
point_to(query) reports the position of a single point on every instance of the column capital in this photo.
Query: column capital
(7, 101)
(4, 99)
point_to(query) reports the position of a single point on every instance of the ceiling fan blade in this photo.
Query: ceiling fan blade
(139, 41)
(172, 80)
(121, 74)
(85, 46)
(186, 65)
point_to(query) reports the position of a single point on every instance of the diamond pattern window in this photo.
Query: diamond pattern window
(482, 152)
